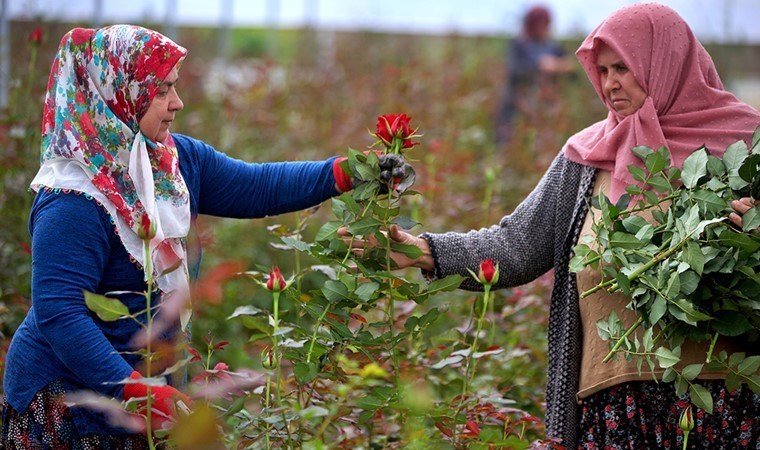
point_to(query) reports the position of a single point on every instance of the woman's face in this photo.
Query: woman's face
(155, 124)
(620, 88)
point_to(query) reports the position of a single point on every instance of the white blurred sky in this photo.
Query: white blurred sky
(712, 20)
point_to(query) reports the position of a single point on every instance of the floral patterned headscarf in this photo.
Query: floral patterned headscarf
(101, 84)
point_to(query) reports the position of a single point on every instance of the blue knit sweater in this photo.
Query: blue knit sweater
(75, 249)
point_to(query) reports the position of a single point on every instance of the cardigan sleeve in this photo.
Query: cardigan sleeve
(70, 243)
(523, 243)
(229, 187)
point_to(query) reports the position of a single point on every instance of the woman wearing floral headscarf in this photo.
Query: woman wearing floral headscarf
(661, 88)
(112, 176)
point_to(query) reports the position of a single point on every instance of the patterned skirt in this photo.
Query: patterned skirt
(48, 424)
(645, 415)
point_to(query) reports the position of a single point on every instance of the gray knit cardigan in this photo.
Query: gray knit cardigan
(538, 236)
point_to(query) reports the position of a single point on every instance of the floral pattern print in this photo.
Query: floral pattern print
(101, 84)
(47, 423)
(645, 415)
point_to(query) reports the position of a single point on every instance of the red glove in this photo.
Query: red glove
(342, 180)
(163, 405)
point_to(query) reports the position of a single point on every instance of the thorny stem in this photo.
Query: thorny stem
(391, 305)
(469, 372)
(148, 267)
(620, 341)
(712, 348)
(637, 273)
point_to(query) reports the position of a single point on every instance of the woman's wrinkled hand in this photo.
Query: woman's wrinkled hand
(741, 206)
(398, 236)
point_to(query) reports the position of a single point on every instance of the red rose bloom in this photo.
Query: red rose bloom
(390, 126)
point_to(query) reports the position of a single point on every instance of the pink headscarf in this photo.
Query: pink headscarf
(686, 108)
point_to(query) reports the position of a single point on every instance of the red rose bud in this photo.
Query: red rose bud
(687, 420)
(35, 37)
(390, 126)
(489, 274)
(146, 228)
(268, 360)
(276, 282)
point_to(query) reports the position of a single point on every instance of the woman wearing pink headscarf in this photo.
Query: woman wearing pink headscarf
(660, 87)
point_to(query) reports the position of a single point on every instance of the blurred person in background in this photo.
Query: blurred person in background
(112, 178)
(534, 61)
(660, 87)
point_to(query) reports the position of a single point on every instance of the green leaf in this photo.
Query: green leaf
(327, 231)
(296, 244)
(742, 241)
(756, 140)
(634, 223)
(710, 201)
(733, 158)
(313, 412)
(684, 311)
(335, 291)
(754, 383)
(657, 310)
(673, 287)
(701, 397)
(733, 382)
(370, 402)
(411, 251)
(659, 183)
(751, 219)
(693, 256)
(735, 155)
(305, 372)
(749, 366)
(642, 151)
(637, 172)
(449, 283)
(385, 213)
(404, 222)
(666, 358)
(715, 166)
(366, 172)
(689, 282)
(366, 190)
(246, 310)
(694, 168)
(655, 162)
(107, 309)
(625, 241)
(365, 290)
(364, 227)
(691, 371)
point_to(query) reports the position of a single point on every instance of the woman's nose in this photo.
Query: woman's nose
(611, 82)
(176, 103)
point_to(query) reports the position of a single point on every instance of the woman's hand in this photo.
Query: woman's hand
(398, 236)
(741, 206)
